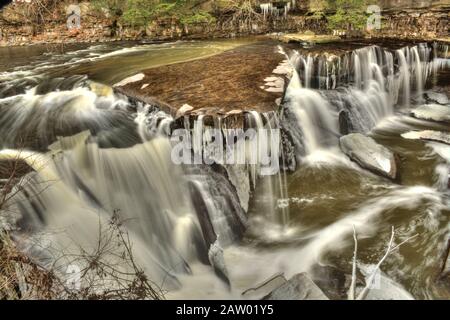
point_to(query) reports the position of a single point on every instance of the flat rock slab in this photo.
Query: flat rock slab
(369, 154)
(434, 112)
(430, 135)
(310, 38)
(437, 97)
(240, 79)
(299, 287)
(263, 289)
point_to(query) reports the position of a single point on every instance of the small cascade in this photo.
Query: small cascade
(250, 155)
(418, 71)
(152, 122)
(404, 76)
(314, 114)
(350, 93)
(36, 118)
(403, 68)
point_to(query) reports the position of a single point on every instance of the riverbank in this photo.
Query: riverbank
(413, 23)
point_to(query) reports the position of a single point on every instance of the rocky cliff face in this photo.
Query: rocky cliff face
(415, 19)
(426, 19)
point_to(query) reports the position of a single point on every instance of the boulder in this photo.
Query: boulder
(436, 97)
(434, 112)
(215, 256)
(299, 287)
(369, 154)
(264, 288)
(430, 135)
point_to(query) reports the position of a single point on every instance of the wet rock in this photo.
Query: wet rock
(215, 256)
(185, 108)
(345, 123)
(332, 281)
(132, 79)
(308, 38)
(369, 154)
(430, 135)
(383, 288)
(436, 97)
(264, 288)
(434, 112)
(299, 287)
(445, 271)
(240, 79)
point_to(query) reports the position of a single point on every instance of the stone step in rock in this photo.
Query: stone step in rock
(434, 112)
(430, 135)
(369, 154)
(299, 287)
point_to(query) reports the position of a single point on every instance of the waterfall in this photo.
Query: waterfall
(357, 70)
(308, 71)
(80, 187)
(418, 73)
(34, 120)
(315, 117)
(363, 86)
(404, 76)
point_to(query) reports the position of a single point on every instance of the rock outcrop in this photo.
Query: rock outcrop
(299, 287)
(430, 135)
(437, 97)
(369, 154)
(434, 112)
(227, 84)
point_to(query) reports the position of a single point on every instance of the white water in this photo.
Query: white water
(404, 77)
(370, 94)
(79, 188)
(253, 266)
(87, 183)
(315, 118)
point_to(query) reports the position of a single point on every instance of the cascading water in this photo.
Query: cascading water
(34, 120)
(404, 76)
(80, 187)
(363, 86)
(176, 214)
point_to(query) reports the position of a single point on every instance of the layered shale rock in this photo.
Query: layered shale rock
(238, 80)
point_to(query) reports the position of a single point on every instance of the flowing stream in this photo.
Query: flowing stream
(96, 154)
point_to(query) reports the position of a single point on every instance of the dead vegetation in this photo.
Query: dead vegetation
(104, 272)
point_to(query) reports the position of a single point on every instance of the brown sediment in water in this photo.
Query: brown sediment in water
(233, 80)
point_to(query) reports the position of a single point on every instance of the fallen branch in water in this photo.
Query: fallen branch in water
(351, 293)
(363, 294)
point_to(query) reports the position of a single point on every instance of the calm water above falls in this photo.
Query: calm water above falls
(319, 203)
